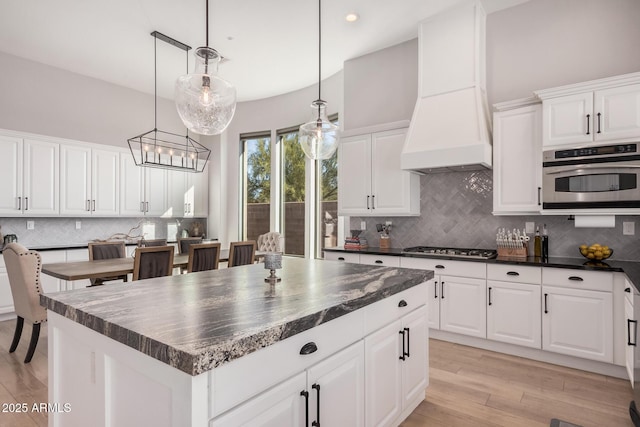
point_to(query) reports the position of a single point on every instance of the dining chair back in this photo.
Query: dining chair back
(242, 253)
(185, 242)
(23, 268)
(106, 250)
(203, 256)
(156, 261)
(271, 242)
(143, 243)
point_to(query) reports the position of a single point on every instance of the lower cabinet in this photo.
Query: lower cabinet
(396, 370)
(513, 313)
(631, 335)
(463, 306)
(330, 393)
(342, 256)
(50, 283)
(78, 255)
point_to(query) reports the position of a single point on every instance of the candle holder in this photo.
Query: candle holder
(272, 262)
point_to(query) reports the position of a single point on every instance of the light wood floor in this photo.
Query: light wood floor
(468, 387)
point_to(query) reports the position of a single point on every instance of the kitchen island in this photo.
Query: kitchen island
(224, 348)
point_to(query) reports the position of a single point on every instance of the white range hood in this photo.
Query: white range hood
(450, 127)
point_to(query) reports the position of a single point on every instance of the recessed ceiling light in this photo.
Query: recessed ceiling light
(352, 17)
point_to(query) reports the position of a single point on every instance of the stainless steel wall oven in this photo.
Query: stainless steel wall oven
(592, 177)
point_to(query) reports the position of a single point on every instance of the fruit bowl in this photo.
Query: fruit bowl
(595, 252)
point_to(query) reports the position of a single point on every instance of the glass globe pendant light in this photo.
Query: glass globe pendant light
(319, 137)
(205, 102)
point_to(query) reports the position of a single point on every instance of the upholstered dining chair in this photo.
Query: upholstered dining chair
(203, 256)
(144, 243)
(185, 242)
(156, 261)
(23, 269)
(106, 250)
(271, 242)
(242, 253)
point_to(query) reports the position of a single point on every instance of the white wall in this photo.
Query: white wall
(269, 114)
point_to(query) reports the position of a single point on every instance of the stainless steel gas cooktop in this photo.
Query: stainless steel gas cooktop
(451, 252)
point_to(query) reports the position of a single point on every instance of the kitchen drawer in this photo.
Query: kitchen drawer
(251, 374)
(342, 256)
(514, 273)
(578, 279)
(381, 313)
(444, 266)
(381, 260)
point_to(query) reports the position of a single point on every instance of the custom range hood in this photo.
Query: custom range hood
(450, 128)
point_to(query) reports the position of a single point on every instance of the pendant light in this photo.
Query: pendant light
(167, 150)
(319, 137)
(205, 102)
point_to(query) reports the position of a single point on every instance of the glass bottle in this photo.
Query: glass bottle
(545, 242)
(537, 243)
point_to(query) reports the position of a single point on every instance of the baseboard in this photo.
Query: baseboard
(7, 316)
(534, 354)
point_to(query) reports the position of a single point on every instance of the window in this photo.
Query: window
(293, 192)
(256, 172)
(327, 204)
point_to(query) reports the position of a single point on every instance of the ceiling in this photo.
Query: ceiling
(271, 46)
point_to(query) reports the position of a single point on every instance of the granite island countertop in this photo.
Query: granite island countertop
(196, 322)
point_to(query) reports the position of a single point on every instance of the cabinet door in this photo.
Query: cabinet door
(341, 381)
(617, 113)
(77, 255)
(568, 119)
(632, 338)
(131, 186)
(513, 313)
(50, 283)
(75, 180)
(414, 368)
(578, 323)
(433, 302)
(282, 405)
(383, 376)
(463, 306)
(390, 186)
(105, 183)
(11, 182)
(354, 175)
(198, 194)
(517, 161)
(177, 185)
(156, 194)
(41, 178)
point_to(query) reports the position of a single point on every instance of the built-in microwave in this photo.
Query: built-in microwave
(603, 177)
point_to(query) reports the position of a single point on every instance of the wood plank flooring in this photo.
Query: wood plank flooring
(468, 387)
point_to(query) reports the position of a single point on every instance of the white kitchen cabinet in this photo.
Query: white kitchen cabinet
(188, 194)
(396, 369)
(517, 159)
(155, 192)
(30, 177)
(77, 255)
(143, 190)
(592, 112)
(631, 335)
(380, 260)
(370, 178)
(177, 185)
(89, 181)
(50, 283)
(342, 256)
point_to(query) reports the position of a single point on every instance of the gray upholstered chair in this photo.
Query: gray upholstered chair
(23, 269)
(203, 256)
(156, 261)
(185, 242)
(271, 242)
(242, 253)
(143, 243)
(106, 250)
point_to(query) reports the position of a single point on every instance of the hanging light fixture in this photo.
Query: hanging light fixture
(205, 102)
(319, 137)
(166, 150)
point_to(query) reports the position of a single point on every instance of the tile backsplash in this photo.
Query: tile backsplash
(62, 231)
(456, 211)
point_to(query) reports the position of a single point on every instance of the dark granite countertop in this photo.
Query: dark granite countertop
(630, 268)
(196, 322)
(44, 248)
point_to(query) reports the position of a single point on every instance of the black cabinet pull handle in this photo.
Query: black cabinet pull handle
(545, 303)
(368, 202)
(340, 258)
(402, 303)
(373, 201)
(308, 348)
(588, 120)
(598, 122)
(627, 290)
(439, 266)
(378, 261)
(539, 189)
(316, 423)
(629, 322)
(403, 347)
(513, 273)
(576, 278)
(435, 290)
(442, 290)
(408, 342)
(489, 295)
(19, 203)
(26, 203)
(305, 394)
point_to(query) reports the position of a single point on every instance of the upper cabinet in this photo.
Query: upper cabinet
(29, 184)
(143, 190)
(592, 112)
(370, 179)
(188, 194)
(517, 158)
